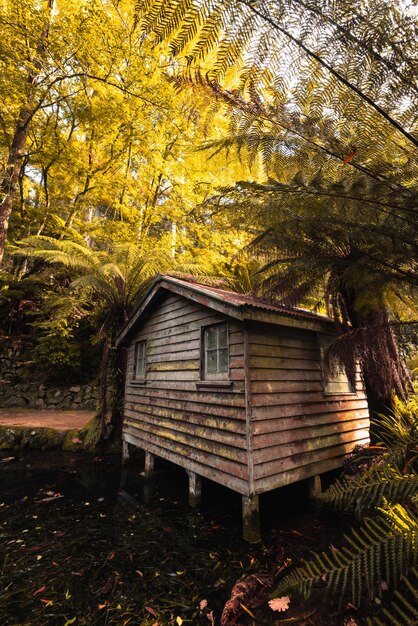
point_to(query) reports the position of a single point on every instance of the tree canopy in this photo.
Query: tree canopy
(283, 131)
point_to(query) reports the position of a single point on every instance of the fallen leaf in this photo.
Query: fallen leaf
(280, 604)
(150, 610)
(67, 594)
(70, 621)
(76, 440)
(101, 606)
(47, 602)
(55, 563)
(111, 556)
(203, 604)
(179, 621)
(137, 571)
(39, 590)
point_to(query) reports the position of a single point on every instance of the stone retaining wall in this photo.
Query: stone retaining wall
(19, 388)
(40, 396)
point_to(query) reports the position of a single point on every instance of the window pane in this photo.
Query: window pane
(140, 350)
(223, 360)
(211, 335)
(211, 362)
(222, 336)
(140, 359)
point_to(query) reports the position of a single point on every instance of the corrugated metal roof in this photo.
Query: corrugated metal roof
(239, 299)
(231, 303)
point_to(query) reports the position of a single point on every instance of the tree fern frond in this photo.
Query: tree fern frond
(381, 549)
(362, 493)
(403, 609)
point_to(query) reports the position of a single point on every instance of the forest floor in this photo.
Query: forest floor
(77, 549)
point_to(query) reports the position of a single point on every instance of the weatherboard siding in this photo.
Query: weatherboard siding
(298, 430)
(201, 428)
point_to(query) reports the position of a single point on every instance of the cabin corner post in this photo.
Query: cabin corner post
(251, 519)
(149, 464)
(125, 452)
(195, 488)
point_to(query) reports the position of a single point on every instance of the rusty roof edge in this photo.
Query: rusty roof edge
(238, 310)
(163, 281)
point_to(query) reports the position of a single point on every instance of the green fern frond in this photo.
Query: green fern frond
(403, 609)
(383, 548)
(363, 493)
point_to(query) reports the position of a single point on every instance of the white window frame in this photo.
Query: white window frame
(140, 372)
(218, 375)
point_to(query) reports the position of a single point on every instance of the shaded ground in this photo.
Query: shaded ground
(36, 418)
(76, 549)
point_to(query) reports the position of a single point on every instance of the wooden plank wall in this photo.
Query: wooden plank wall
(201, 429)
(298, 430)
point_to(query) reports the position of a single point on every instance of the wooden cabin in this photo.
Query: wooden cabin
(233, 389)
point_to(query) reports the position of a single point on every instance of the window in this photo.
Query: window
(336, 381)
(215, 354)
(140, 365)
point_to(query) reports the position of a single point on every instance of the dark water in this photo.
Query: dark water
(75, 546)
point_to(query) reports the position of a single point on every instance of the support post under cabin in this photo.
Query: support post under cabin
(195, 488)
(251, 519)
(125, 452)
(315, 490)
(149, 464)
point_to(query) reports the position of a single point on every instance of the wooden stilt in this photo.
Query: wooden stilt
(251, 519)
(148, 490)
(149, 464)
(125, 452)
(315, 488)
(123, 477)
(195, 488)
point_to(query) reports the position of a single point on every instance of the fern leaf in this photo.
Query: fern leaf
(383, 548)
(367, 491)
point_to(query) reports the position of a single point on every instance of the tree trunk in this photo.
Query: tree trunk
(9, 182)
(11, 177)
(375, 347)
(104, 375)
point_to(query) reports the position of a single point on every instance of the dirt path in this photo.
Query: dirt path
(34, 418)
